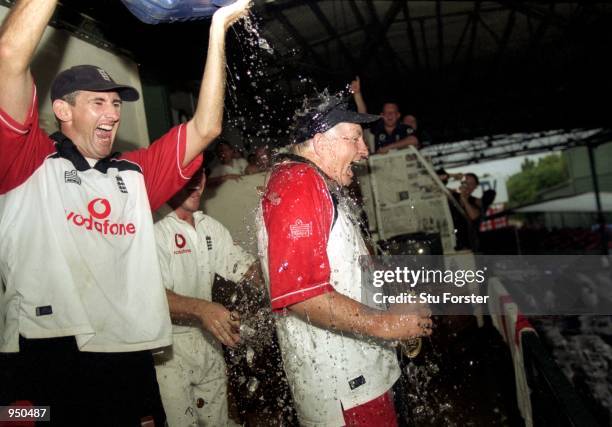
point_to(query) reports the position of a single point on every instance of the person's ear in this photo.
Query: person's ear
(319, 144)
(62, 110)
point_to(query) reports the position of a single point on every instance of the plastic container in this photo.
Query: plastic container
(157, 11)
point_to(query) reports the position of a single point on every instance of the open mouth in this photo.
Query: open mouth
(349, 170)
(104, 132)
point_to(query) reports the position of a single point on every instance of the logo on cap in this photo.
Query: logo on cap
(104, 75)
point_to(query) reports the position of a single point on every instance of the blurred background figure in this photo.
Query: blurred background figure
(231, 165)
(259, 160)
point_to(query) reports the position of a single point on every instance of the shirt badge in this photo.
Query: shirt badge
(299, 229)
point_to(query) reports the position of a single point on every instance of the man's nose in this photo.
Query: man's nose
(112, 113)
(362, 149)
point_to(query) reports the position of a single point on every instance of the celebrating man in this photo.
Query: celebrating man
(339, 368)
(83, 301)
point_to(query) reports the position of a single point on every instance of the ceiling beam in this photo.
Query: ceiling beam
(503, 43)
(296, 35)
(473, 33)
(380, 30)
(440, 34)
(380, 33)
(489, 30)
(540, 31)
(362, 24)
(314, 7)
(425, 47)
(468, 23)
(411, 37)
(536, 12)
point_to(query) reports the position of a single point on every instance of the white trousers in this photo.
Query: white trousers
(193, 382)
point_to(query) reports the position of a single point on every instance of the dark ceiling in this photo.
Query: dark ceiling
(465, 69)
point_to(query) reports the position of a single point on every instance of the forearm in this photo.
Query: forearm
(360, 102)
(207, 121)
(338, 312)
(405, 142)
(472, 212)
(402, 143)
(20, 34)
(184, 309)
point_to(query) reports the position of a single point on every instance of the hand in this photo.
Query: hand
(231, 13)
(383, 150)
(418, 324)
(221, 323)
(356, 86)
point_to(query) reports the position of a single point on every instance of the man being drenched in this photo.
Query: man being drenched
(83, 301)
(338, 364)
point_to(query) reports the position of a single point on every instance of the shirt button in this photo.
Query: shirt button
(200, 403)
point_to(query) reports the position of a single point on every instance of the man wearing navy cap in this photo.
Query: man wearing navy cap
(338, 366)
(82, 303)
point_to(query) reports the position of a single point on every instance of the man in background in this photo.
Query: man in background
(192, 249)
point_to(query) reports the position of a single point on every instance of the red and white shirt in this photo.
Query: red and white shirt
(77, 247)
(309, 246)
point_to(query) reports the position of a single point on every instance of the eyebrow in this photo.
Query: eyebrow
(100, 98)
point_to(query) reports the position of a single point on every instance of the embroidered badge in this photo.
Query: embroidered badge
(121, 184)
(104, 75)
(72, 176)
(299, 229)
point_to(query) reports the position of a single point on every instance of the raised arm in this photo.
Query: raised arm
(20, 34)
(207, 120)
(357, 96)
(335, 311)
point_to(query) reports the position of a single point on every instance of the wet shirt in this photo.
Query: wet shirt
(77, 248)
(190, 257)
(309, 246)
(382, 138)
(298, 212)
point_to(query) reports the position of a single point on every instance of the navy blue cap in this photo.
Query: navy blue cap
(90, 78)
(323, 114)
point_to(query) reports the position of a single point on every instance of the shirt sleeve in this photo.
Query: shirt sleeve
(298, 214)
(23, 147)
(231, 261)
(161, 164)
(163, 254)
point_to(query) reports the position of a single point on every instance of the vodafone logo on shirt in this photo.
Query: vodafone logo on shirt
(180, 242)
(97, 221)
